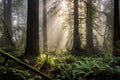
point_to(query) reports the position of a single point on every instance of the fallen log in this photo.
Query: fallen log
(45, 76)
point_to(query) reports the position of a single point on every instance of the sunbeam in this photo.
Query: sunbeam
(56, 21)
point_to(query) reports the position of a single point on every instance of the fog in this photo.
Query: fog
(60, 23)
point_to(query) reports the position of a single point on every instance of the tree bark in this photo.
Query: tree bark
(32, 37)
(116, 40)
(8, 21)
(89, 27)
(45, 25)
(76, 37)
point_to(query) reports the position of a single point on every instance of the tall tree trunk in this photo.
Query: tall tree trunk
(45, 25)
(116, 40)
(32, 38)
(89, 27)
(108, 36)
(76, 38)
(8, 22)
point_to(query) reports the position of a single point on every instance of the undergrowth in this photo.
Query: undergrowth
(66, 67)
(69, 67)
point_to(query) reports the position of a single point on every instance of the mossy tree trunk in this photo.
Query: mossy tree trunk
(89, 27)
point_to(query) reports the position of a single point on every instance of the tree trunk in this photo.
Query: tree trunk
(76, 38)
(32, 38)
(8, 22)
(116, 40)
(45, 26)
(89, 27)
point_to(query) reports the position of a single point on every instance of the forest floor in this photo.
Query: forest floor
(64, 67)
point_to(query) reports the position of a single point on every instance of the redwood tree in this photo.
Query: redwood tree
(45, 26)
(76, 38)
(89, 27)
(8, 22)
(32, 38)
(116, 40)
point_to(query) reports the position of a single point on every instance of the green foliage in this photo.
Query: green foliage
(54, 51)
(14, 74)
(45, 62)
(33, 69)
(66, 67)
(117, 46)
(69, 67)
(84, 67)
(18, 53)
(69, 59)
